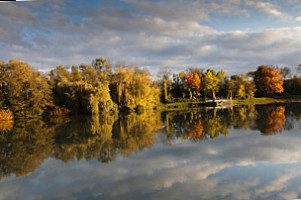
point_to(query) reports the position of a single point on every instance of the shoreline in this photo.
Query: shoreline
(176, 106)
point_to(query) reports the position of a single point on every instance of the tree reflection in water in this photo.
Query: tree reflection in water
(26, 144)
(211, 123)
(24, 147)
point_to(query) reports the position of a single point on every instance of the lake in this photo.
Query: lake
(246, 152)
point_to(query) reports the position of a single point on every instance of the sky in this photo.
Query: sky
(234, 35)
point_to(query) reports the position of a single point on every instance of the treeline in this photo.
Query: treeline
(91, 89)
(98, 88)
(197, 84)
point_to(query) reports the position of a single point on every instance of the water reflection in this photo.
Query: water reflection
(24, 147)
(28, 143)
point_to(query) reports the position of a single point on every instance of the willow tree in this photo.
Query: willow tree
(83, 90)
(132, 89)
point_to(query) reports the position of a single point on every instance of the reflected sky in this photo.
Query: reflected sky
(243, 164)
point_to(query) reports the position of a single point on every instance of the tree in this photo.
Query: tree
(165, 83)
(292, 86)
(211, 82)
(133, 89)
(193, 83)
(242, 88)
(229, 85)
(178, 87)
(84, 90)
(268, 81)
(25, 91)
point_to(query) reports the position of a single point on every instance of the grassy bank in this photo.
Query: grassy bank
(267, 100)
(254, 101)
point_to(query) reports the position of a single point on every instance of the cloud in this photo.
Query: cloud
(269, 8)
(17, 14)
(7, 32)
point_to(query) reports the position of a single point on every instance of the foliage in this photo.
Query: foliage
(268, 81)
(24, 91)
(193, 82)
(292, 86)
(133, 89)
(6, 115)
(211, 82)
(242, 88)
(6, 120)
(84, 90)
(178, 85)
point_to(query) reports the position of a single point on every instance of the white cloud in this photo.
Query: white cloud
(269, 8)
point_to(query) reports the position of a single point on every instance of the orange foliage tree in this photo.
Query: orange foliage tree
(268, 81)
(193, 82)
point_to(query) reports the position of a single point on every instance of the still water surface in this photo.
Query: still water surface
(248, 152)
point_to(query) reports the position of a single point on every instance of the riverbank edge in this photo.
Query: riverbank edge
(176, 106)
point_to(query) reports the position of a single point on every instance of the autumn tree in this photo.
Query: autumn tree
(242, 87)
(133, 89)
(193, 83)
(84, 90)
(228, 87)
(24, 90)
(211, 82)
(268, 81)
